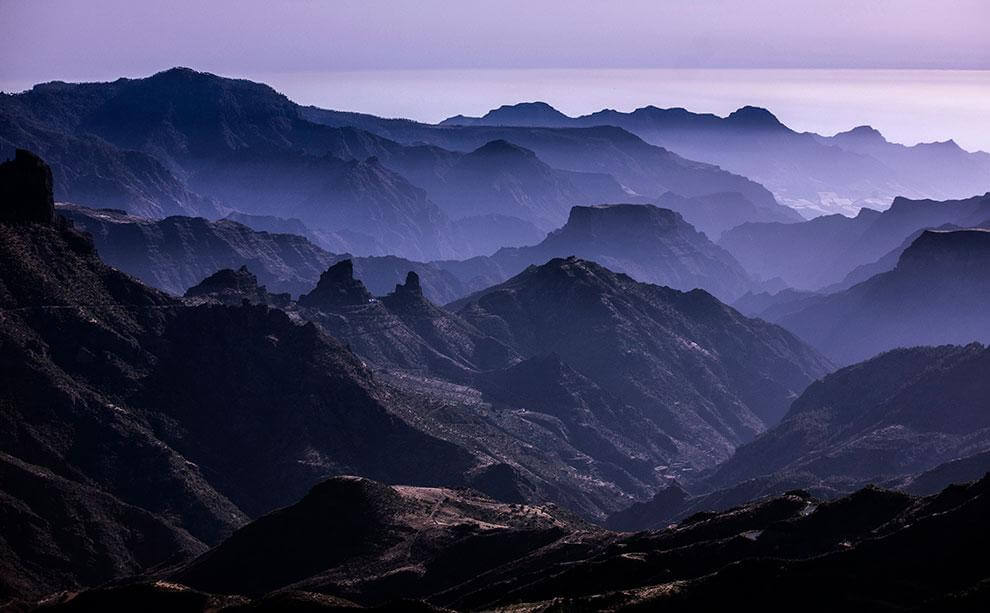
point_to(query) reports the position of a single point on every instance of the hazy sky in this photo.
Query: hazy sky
(100, 39)
(428, 59)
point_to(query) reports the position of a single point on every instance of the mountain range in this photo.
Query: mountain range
(190, 143)
(810, 172)
(823, 252)
(256, 356)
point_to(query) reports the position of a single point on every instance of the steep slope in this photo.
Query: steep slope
(821, 252)
(386, 527)
(701, 373)
(901, 413)
(175, 253)
(174, 422)
(873, 550)
(936, 294)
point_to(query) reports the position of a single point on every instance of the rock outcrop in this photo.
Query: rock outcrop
(26, 189)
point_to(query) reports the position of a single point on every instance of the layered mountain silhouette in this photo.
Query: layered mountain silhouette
(190, 143)
(505, 179)
(564, 383)
(175, 253)
(651, 244)
(822, 252)
(936, 294)
(352, 542)
(317, 360)
(810, 172)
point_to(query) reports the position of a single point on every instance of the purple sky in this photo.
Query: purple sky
(76, 40)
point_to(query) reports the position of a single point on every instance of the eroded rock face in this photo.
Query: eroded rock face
(26, 189)
(337, 287)
(233, 287)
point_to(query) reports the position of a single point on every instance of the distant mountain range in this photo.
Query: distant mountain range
(812, 173)
(189, 143)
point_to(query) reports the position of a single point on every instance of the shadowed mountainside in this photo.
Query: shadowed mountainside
(164, 421)
(369, 544)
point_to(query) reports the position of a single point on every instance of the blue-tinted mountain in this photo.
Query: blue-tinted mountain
(190, 143)
(525, 114)
(175, 253)
(644, 169)
(936, 294)
(823, 251)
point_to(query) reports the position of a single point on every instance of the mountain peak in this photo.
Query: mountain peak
(337, 287)
(501, 146)
(755, 117)
(526, 114)
(862, 134)
(525, 110)
(26, 189)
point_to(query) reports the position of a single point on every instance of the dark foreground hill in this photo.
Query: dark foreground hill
(352, 542)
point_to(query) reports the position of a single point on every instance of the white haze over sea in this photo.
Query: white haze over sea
(907, 106)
